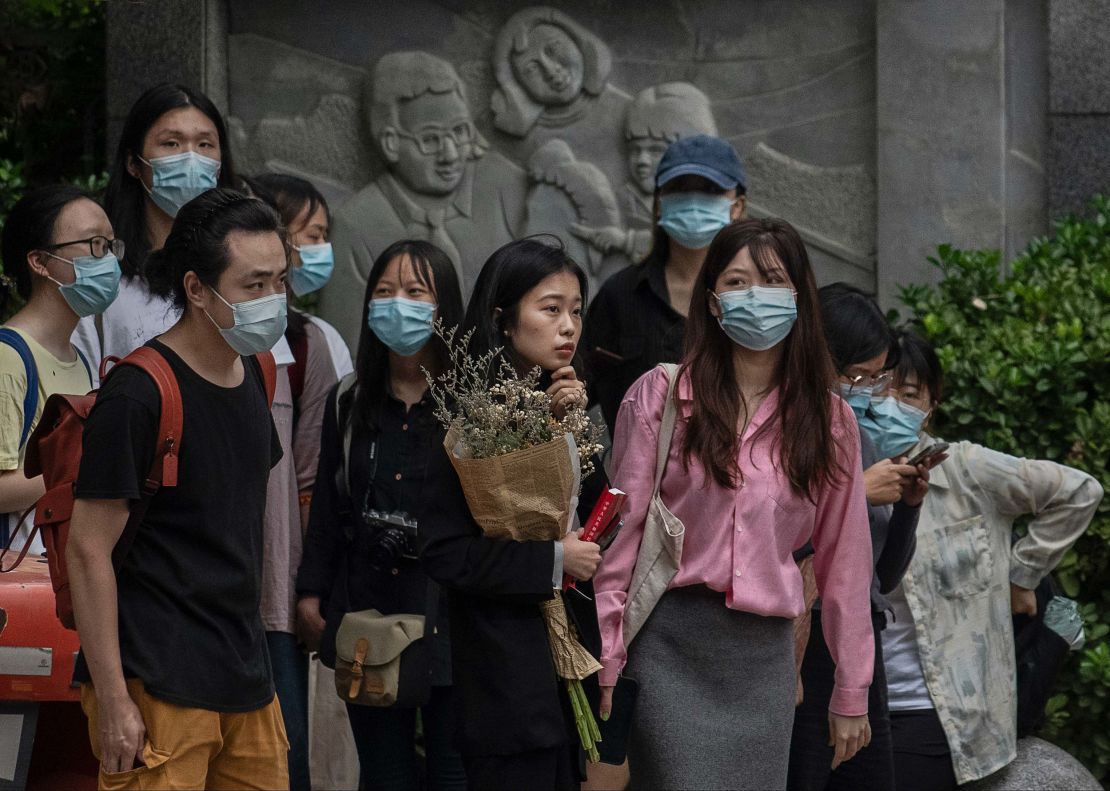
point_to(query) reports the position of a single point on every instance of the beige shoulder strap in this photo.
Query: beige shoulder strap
(666, 429)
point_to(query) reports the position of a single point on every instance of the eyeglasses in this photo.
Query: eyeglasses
(431, 139)
(910, 395)
(99, 246)
(879, 383)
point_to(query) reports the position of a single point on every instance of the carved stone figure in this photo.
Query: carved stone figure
(567, 192)
(443, 184)
(657, 117)
(553, 83)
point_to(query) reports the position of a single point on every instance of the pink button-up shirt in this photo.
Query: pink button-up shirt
(740, 541)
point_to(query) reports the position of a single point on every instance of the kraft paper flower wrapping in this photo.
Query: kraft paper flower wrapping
(526, 495)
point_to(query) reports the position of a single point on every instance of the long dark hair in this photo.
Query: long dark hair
(125, 197)
(198, 241)
(290, 196)
(432, 266)
(660, 241)
(30, 226)
(511, 272)
(855, 327)
(807, 449)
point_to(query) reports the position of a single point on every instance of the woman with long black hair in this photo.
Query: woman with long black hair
(173, 147)
(379, 438)
(518, 730)
(758, 457)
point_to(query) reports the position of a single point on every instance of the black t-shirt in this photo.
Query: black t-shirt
(190, 586)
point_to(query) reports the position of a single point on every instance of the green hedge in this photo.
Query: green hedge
(1026, 360)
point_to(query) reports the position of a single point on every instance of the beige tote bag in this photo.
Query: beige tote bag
(661, 546)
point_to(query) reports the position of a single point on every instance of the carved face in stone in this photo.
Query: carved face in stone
(644, 154)
(550, 67)
(429, 150)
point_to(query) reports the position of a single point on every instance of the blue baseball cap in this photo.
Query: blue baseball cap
(702, 155)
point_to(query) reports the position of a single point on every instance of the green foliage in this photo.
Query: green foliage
(1026, 359)
(51, 96)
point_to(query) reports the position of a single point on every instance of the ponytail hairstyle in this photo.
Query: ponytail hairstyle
(198, 241)
(807, 447)
(30, 226)
(125, 198)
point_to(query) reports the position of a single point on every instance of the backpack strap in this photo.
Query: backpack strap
(342, 473)
(268, 366)
(84, 362)
(10, 337)
(163, 471)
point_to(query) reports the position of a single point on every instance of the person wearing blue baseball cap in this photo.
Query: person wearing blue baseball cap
(638, 318)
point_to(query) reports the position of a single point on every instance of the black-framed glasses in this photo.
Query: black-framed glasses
(431, 139)
(99, 246)
(878, 383)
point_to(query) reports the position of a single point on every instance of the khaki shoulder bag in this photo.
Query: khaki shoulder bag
(661, 546)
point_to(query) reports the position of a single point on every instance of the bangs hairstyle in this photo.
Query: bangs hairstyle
(125, 198)
(434, 269)
(919, 360)
(806, 447)
(507, 276)
(855, 328)
(198, 241)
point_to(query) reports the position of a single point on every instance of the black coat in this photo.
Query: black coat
(509, 696)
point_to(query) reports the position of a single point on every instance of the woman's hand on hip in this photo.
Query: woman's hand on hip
(847, 736)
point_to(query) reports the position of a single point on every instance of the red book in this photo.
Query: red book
(605, 513)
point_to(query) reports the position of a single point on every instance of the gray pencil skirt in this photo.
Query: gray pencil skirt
(716, 701)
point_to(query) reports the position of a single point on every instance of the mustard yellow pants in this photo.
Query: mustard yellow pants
(196, 748)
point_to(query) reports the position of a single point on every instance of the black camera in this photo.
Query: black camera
(393, 538)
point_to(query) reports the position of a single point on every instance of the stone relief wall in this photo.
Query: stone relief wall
(473, 123)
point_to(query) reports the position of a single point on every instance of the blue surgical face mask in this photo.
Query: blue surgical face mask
(403, 325)
(179, 178)
(858, 397)
(758, 317)
(259, 323)
(892, 425)
(315, 269)
(693, 218)
(95, 286)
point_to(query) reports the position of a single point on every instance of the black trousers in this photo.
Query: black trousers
(810, 754)
(552, 769)
(922, 760)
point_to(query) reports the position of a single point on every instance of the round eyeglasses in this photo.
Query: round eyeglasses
(878, 383)
(99, 246)
(431, 139)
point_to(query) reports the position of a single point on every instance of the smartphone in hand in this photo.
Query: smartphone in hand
(935, 449)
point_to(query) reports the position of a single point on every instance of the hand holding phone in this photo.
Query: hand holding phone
(920, 457)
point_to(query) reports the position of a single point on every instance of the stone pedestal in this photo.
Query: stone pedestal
(1039, 766)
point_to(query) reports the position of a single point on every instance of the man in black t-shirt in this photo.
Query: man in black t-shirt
(176, 679)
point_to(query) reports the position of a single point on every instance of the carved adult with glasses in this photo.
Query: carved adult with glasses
(442, 183)
(61, 258)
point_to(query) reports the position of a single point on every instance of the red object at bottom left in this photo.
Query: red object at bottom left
(40, 710)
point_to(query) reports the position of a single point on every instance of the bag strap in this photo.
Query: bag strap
(10, 337)
(268, 366)
(163, 471)
(342, 472)
(85, 362)
(666, 430)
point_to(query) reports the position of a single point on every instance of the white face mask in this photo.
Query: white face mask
(259, 323)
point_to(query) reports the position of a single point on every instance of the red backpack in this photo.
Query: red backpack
(54, 451)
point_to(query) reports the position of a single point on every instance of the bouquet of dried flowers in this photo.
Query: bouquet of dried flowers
(521, 470)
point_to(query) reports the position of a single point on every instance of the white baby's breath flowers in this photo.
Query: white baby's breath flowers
(507, 416)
